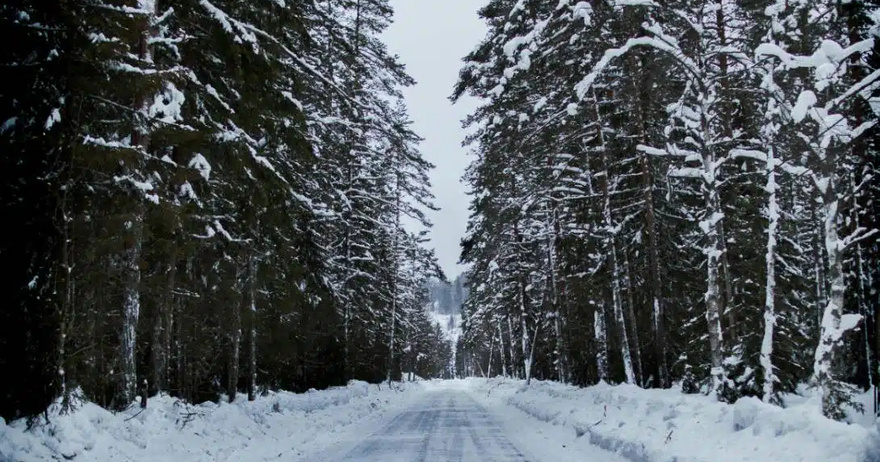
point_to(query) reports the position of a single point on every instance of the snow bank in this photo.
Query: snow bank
(666, 425)
(279, 425)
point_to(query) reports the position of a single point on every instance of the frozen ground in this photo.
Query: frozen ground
(456, 420)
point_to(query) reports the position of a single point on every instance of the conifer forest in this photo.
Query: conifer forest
(207, 196)
(203, 198)
(676, 191)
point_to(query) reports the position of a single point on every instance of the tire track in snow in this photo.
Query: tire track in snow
(446, 425)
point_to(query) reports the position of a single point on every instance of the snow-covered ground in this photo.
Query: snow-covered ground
(449, 421)
(666, 425)
(438, 420)
(280, 426)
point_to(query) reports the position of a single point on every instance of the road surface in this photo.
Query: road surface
(443, 425)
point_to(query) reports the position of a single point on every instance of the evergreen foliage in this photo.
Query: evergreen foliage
(675, 191)
(208, 199)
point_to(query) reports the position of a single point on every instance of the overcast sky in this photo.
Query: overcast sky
(431, 37)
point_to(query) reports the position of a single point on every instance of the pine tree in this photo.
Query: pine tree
(184, 209)
(615, 137)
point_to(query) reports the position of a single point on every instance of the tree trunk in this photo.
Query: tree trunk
(513, 368)
(727, 305)
(831, 329)
(819, 259)
(501, 350)
(133, 235)
(395, 264)
(349, 212)
(599, 326)
(714, 248)
(251, 312)
(66, 305)
(131, 305)
(158, 342)
(654, 285)
(179, 348)
(713, 295)
(773, 216)
(491, 353)
(834, 322)
(611, 247)
(631, 319)
(234, 336)
(618, 315)
(560, 353)
(145, 393)
(526, 344)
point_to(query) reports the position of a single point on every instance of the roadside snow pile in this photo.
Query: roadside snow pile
(666, 425)
(279, 425)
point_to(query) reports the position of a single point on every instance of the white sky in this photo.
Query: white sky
(431, 37)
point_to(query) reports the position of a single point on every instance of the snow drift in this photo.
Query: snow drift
(278, 425)
(668, 426)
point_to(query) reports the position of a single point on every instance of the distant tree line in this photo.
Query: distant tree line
(448, 297)
(204, 197)
(676, 191)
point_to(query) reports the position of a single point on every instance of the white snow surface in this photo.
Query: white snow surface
(469, 419)
(454, 420)
(666, 425)
(279, 426)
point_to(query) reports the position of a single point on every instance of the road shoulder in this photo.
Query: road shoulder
(539, 441)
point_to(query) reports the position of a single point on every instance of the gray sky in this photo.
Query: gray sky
(431, 37)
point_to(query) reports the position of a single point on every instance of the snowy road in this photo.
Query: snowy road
(443, 425)
(453, 420)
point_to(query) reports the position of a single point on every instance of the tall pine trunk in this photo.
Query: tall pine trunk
(773, 215)
(625, 353)
(834, 323)
(559, 352)
(66, 304)
(527, 345)
(713, 250)
(501, 353)
(491, 354)
(635, 345)
(160, 328)
(601, 335)
(654, 284)
(611, 247)
(251, 320)
(395, 267)
(131, 305)
(234, 338)
(513, 369)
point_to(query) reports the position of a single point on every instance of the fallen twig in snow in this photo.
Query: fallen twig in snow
(492, 388)
(580, 431)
